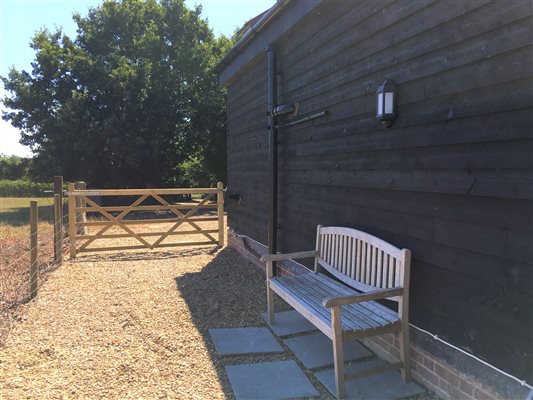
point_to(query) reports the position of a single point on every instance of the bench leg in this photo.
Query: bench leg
(270, 294)
(338, 355)
(270, 304)
(405, 352)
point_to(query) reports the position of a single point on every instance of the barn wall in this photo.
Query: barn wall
(248, 150)
(451, 180)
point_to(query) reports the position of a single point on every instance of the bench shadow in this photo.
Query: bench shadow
(227, 293)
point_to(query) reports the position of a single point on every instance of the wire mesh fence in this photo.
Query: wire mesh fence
(22, 276)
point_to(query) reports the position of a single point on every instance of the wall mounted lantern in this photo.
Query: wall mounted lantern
(386, 96)
(286, 109)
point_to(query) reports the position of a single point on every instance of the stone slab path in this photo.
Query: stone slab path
(232, 341)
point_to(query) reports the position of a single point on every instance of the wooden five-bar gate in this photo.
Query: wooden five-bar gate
(82, 201)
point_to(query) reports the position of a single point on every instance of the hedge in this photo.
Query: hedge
(24, 188)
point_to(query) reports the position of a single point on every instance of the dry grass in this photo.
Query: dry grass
(135, 325)
(15, 255)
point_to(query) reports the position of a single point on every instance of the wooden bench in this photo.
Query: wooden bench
(369, 269)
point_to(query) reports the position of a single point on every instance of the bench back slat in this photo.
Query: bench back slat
(360, 260)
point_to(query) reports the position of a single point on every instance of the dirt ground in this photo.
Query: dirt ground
(134, 325)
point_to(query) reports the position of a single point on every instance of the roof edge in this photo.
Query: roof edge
(250, 33)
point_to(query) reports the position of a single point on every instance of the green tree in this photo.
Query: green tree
(14, 167)
(129, 101)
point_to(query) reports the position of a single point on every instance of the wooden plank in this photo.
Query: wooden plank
(483, 237)
(373, 256)
(80, 216)
(137, 247)
(379, 273)
(403, 312)
(220, 211)
(362, 316)
(320, 247)
(270, 294)
(182, 217)
(392, 270)
(315, 291)
(366, 311)
(134, 192)
(321, 323)
(117, 222)
(34, 267)
(338, 351)
(377, 294)
(358, 259)
(190, 213)
(119, 217)
(145, 234)
(148, 221)
(366, 49)
(71, 220)
(288, 256)
(179, 206)
(313, 294)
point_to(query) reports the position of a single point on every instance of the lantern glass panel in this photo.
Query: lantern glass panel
(389, 103)
(380, 104)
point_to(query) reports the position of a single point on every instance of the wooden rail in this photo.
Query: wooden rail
(81, 201)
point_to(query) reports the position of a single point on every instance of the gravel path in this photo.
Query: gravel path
(134, 325)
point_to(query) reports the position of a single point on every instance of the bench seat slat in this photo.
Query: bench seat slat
(311, 289)
(355, 314)
(385, 313)
(348, 322)
(370, 309)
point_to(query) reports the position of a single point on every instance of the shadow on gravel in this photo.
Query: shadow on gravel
(228, 292)
(146, 255)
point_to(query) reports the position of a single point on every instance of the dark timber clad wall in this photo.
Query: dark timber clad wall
(451, 180)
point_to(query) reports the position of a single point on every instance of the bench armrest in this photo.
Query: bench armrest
(359, 298)
(289, 256)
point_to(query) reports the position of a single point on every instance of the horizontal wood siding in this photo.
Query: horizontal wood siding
(452, 179)
(248, 140)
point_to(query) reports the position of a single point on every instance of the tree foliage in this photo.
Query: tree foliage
(14, 167)
(128, 102)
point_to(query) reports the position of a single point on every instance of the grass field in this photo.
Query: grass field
(15, 211)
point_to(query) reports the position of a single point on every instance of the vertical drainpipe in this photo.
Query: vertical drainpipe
(272, 153)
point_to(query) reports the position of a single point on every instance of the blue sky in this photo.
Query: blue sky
(20, 19)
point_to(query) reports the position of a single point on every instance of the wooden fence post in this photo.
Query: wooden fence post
(58, 186)
(81, 216)
(220, 212)
(33, 249)
(58, 218)
(58, 231)
(72, 220)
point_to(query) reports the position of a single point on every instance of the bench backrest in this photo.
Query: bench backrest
(360, 260)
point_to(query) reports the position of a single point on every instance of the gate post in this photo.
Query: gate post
(220, 212)
(81, 216)
(72, 220)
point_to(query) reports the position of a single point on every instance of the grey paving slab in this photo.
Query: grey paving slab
(289, 323)
(383, 386)
(271, 380)
(230, 341)
(316, 350)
